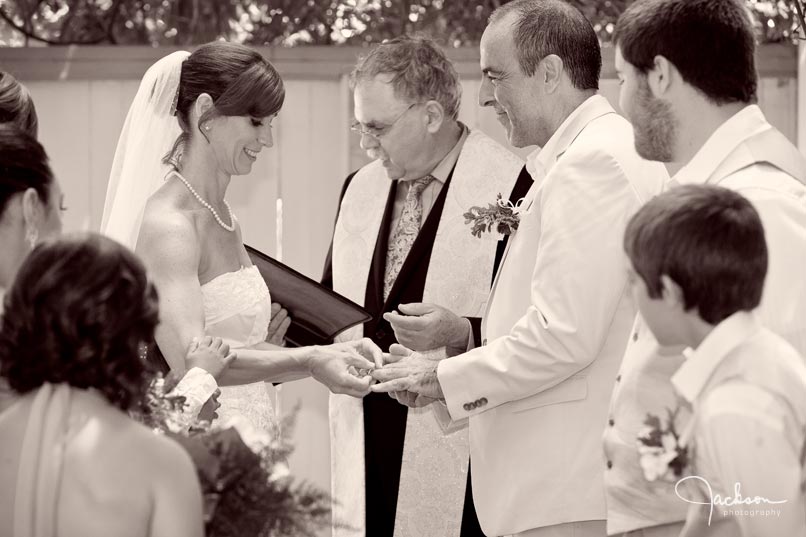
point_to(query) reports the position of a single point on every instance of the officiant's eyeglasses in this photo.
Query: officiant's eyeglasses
(377, 132)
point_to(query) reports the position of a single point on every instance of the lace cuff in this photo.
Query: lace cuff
(197, 386)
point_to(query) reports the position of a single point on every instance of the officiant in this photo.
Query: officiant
(400, 238)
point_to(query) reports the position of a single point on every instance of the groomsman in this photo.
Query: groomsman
(689, 86)
(400, 237)
(559, 314)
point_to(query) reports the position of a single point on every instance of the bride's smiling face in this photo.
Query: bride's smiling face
(236, 141)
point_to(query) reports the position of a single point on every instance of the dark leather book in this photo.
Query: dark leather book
(317, 313)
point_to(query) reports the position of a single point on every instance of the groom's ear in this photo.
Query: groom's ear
(659, 77)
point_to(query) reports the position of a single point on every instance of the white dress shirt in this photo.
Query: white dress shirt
(731, 158)
(747, 387)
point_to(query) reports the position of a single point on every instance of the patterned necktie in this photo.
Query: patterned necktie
(405, 233)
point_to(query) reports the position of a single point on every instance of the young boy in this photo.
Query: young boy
(698, 261)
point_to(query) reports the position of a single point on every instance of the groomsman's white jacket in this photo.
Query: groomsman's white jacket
(556, 326)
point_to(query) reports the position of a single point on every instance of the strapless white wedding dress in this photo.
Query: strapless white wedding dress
(237, 308)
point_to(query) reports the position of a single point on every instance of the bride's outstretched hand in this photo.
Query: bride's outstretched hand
(333, 366)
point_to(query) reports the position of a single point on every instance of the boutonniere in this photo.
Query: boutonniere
(662, 456)
(502, 215)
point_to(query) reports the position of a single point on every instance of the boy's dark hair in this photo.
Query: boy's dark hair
(710, 42)
(709, 240)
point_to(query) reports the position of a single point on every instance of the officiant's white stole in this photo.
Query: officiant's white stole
(434, 468)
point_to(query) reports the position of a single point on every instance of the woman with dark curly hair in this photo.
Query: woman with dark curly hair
(73, 460)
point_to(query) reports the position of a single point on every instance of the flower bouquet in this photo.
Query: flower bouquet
(243, 473)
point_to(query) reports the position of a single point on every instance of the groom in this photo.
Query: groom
(400, 238)
(559, 313)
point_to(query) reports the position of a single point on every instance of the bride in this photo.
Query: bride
(197, 120)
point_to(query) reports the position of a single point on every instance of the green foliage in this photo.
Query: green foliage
(296, 22)
(242, 470)
(502, 216)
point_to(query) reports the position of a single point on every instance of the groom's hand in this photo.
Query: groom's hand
(409, 372)
(422, 327)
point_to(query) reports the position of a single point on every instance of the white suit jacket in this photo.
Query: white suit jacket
(556, 324)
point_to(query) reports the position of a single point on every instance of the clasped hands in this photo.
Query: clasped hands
(407, 373)
(407, 376)
(359, 367)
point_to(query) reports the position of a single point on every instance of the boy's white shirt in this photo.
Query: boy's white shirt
(743, 433)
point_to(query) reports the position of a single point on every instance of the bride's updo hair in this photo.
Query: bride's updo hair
(77, 313)
(240, 81)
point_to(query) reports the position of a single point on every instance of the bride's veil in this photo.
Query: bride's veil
(148, 134)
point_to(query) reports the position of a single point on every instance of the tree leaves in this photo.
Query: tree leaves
(298, 22)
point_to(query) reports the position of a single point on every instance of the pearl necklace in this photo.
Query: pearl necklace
(201, 200)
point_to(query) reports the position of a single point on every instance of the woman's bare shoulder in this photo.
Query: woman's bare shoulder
(167, 209)
(162, 453)
(168, 233)
(131, 444)
(119, 469)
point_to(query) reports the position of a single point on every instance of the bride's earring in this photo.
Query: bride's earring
(31, 236)
(205, 131)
